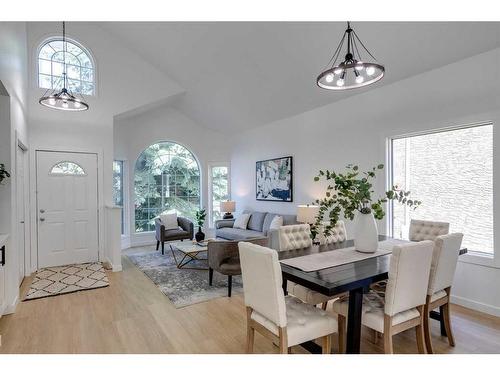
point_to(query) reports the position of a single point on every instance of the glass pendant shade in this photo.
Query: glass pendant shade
(63, 99)
(351, 72)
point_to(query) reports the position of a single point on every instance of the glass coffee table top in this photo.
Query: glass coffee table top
(190, 251)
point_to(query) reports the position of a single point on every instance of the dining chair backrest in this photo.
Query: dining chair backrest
(444, 261)
(292, 237)
(338, 233)
(421, 230)
(262, 282)
(409, 270)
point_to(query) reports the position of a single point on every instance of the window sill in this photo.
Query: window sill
(480, 259)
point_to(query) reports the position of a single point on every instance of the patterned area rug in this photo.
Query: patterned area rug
(52, 281)
(183, 287)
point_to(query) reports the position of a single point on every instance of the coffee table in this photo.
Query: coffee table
(191, 251)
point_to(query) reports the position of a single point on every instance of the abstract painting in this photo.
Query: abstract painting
(274, 180)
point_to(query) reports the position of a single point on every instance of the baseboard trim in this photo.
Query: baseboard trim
(110, 266)
(475, 305)
(11, 309)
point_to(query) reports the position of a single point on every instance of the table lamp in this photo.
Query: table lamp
(307, 214)
(228, 207)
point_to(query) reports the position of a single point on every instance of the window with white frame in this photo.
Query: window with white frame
(79, 67)
(218, 190)
(451, 172)
(118, 189)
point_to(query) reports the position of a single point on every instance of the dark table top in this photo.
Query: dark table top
(334, 280)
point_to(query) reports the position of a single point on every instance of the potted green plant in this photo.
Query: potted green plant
(200, 220)
(3, 173)
(352, 192)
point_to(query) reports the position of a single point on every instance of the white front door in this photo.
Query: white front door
(21, 208)
(66, 208)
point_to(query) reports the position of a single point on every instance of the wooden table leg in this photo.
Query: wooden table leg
(354, 321)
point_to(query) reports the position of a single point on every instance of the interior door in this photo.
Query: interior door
(67, 208)
(21, 227)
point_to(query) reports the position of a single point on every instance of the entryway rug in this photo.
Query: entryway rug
(53, 281)
(183, 287)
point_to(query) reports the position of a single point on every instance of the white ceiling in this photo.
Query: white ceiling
(243, 75)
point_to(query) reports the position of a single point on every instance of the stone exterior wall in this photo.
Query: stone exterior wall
(452, 174)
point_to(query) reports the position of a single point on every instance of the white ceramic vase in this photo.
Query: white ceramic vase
(365, 233)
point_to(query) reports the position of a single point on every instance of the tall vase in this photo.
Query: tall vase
(365, 233)
(199, 236)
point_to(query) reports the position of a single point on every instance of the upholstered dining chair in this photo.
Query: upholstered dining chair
(421, 230)
(224, 258)
(444, 263)
(293, 237)
(401, 307)
(286, 321)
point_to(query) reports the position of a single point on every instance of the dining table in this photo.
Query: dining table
(353, 278)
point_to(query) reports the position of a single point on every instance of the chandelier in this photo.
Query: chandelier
(63, 100)
(353, 71)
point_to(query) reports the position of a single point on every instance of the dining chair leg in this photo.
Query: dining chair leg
(229, 285)
(447, 324)
(324, 305)
(327, 344)
(210, 276)
(419, 330)
(427, 328)
(375, 336)
(283, 346)
(250, 332)
(341, 321)
(157, 245)
(388, 335)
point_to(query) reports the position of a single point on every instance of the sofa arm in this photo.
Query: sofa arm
(224, 223)
(159, 229)
(186, 225)
(274, 239)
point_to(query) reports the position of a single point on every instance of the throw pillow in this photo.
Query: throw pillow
(169, 220)
(241, 221)
(276, 223)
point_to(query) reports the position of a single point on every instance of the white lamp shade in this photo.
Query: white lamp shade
(307, 213)
(228, 206)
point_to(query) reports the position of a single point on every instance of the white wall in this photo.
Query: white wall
(125, 82)
(134, 134)
(13, 75)
(355, 130)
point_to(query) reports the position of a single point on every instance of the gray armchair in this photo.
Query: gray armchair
(184, 232)
(223, 257)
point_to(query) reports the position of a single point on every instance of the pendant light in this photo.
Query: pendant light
(63, 100)
(353, 71)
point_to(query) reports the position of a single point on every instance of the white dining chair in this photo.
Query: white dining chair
(286, 321)
(421, 230)
(294, 237)
(444, 264)
(401, 307)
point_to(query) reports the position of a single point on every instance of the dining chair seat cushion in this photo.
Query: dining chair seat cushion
(373, 311)
(307, 295)
(304, 322)
(438, 295)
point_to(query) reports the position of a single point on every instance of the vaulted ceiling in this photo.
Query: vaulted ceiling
(243, 75)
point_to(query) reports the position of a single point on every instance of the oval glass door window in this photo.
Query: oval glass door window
(67, 168)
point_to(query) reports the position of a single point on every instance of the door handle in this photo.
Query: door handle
(42, 211)
(42, 219)
(21, 222)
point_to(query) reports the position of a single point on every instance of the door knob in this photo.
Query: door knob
(42, 211)
(42, 219)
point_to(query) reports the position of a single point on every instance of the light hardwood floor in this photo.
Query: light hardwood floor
(133, 316)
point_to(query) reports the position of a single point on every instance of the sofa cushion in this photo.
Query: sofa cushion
(237, 234)
(287, 220)
(256, 221)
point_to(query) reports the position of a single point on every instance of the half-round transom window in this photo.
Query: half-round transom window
(79, 67)
(167, 178)
(67, 168)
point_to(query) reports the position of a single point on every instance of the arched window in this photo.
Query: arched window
(167, 178)
(79, 67)
(67, 168)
